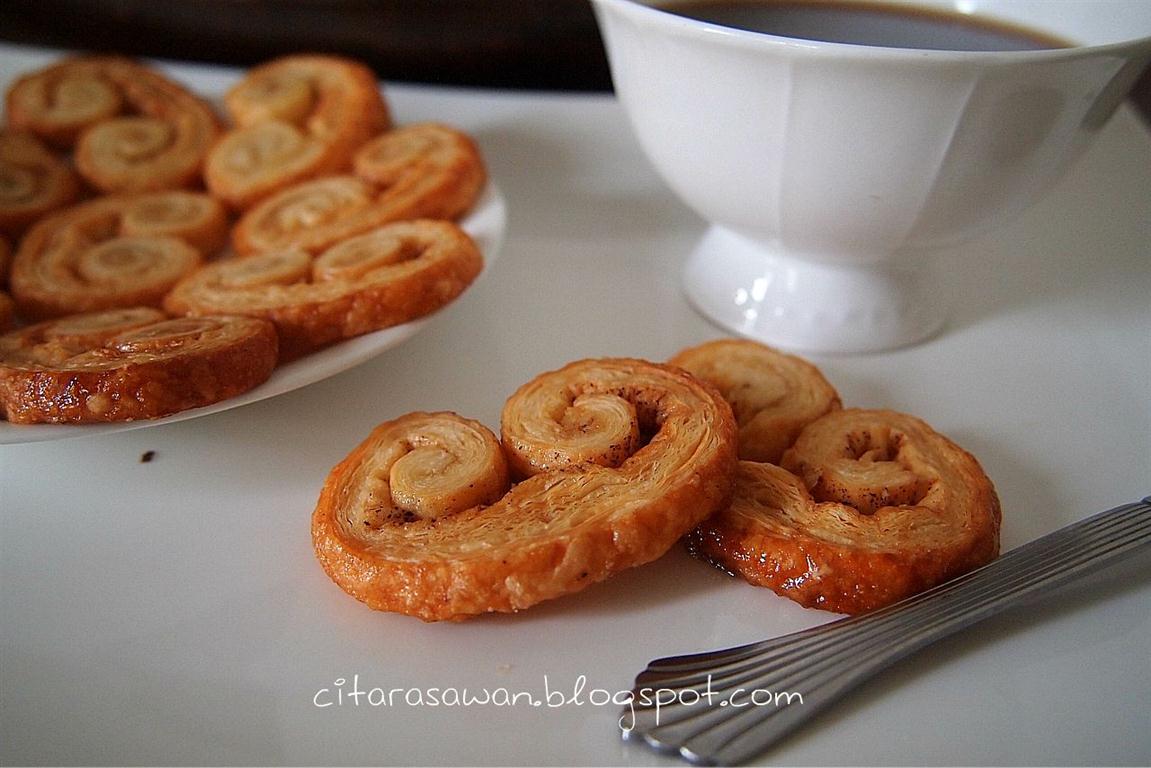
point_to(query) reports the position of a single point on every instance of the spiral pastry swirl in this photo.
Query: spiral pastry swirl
(116, 251)
(424, 170)
(868, 508)
(774, 395)
(377, 280)
(133, 129)
(33, 181)
(297, 117)
(582, 516)
(128, 364)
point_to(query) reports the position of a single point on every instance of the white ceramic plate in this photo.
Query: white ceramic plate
(485, 224)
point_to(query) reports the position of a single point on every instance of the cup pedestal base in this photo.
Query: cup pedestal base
(812, 306)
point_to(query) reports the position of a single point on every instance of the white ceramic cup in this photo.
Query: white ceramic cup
(833, 175)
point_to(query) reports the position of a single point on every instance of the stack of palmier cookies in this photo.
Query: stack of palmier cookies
(157, 254)
(844, 509)
(606, 463)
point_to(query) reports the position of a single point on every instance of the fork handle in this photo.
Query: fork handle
(825, 662)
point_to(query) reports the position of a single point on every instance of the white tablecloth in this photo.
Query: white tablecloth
(172, 611)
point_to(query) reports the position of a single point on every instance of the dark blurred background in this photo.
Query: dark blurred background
(520, 44)
(542, 44)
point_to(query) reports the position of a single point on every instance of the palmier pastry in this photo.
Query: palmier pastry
(129, 364)
(383, 278)
(418, 171)
(774, 395)
(116, 251)
(298, 117)
(415, 521)
(876, 507)
(133, 129)
(33, 181)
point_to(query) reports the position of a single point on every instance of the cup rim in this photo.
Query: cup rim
(646, 12)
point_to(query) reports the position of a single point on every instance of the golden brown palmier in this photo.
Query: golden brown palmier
(33, 181)
(869, 507)
(197, 219)
(580, 518)
(54, 342)
(424, 170)
(133, 129)
(297, 117)
(774, 394)
(376, 280)
(115, 251)
(129, 364)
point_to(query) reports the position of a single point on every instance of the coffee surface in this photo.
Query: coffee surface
(888, 25)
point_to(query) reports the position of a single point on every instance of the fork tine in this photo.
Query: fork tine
(671, 667)
(821, 663)
(690, 668)
(756, 659)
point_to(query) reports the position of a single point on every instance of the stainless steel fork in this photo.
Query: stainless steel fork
(725, 707)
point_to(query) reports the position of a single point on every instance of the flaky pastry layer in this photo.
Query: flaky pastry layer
(124, 365)
(297, 117)
(426, 170)
(114, 251)
(380, 279)
(868, 508)
(132, 129)
(571, 524)
(33, 181)
(774, 394)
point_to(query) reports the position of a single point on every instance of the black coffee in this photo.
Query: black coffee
(867, 23)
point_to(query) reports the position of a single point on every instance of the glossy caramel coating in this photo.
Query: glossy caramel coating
(573, 523)
(424, 170)
(132, 128)
(376, 280)
(114, 251)
(297, 117)
(33, 181)
(774, 394)
(129, 364)
(868, 508)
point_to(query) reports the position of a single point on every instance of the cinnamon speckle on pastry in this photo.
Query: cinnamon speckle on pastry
(573, 522)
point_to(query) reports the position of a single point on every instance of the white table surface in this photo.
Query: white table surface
(171, 612)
